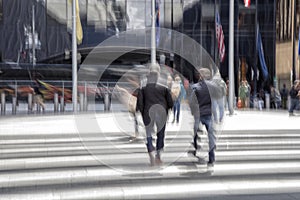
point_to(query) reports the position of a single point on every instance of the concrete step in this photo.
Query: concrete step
(107, 175)
(114, 159)
(197, 187)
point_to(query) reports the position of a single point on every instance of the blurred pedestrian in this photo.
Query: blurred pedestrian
(129, 100)
(153, 101)
(218, 98)
(227, 95)
(244, 91)
(178, 93)
(294, 96)
(38, 95)
(284, 96)
(275, 98)
(200, 103)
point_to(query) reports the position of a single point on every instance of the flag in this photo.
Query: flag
(79, 34)
(220, 38)
(247, 3)
(260, 50)
(157, 14)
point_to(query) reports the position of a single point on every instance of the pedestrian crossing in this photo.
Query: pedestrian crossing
(68, 164)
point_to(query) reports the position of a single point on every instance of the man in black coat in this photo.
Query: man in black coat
(201, 108)
(154, 101)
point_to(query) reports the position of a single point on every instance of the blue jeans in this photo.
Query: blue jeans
(160, 121)
(294, 105)
(176, 110)
(218, 105)
(206, 120)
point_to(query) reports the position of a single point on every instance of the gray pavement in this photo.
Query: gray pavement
(91, 156)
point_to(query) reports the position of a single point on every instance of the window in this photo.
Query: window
(57, 11)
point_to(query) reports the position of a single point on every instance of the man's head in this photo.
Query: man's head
(154, 68)
(205, 74)
(177, 78)
(153, 77)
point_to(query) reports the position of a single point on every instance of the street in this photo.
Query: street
(58, 157)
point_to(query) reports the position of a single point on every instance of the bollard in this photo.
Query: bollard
(255, 103)
(267, 97)
(62, 104)
(38, 108)
(29, 102)
(107, 102)
(81, 101)
(3, 103)
(288, 102)
(55, 102)
(85, 103)
(14, 105)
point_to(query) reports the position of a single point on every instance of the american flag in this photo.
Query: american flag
(220, 38)
(247, 3)
(157, 12)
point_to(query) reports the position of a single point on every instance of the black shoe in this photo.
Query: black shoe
(202, 161)
(210, 164)
(198, 147)
(193, 152)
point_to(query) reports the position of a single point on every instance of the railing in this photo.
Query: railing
(58, 93)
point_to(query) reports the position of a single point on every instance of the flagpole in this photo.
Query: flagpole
(231, 48)
(255, 55)
(153, 38)
(294, 20)
(74, 58)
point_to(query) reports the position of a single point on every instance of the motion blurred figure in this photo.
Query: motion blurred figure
(154, 100)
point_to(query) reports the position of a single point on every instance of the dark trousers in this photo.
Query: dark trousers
(160, 122)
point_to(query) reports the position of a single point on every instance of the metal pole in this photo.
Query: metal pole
(33, 37)
(172, 42)
(255, 54)
(231, 51)
(74, 59)
(293, 40)
(153, 38)
(3, 103)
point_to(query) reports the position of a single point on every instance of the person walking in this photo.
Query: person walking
(218, 98)
(200, 104)
(178, 93)
(243, 93)
(154, 101)
(294, 96)
(38, 95)
(284, 96)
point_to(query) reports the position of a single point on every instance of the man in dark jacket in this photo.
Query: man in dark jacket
(154, 101)
(200, 103)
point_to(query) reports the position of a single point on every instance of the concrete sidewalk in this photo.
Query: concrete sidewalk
(121, 121)
(261, 120)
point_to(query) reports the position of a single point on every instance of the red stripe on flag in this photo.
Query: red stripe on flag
(220, 38)
(247, 3)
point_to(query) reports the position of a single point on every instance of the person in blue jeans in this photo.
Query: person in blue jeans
(200, 103)
(177, 85)
(218, 98)
(154, 101)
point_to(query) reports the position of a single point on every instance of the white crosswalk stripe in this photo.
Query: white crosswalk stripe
(64, 164)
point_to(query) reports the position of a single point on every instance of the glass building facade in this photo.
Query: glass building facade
(101, 19)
